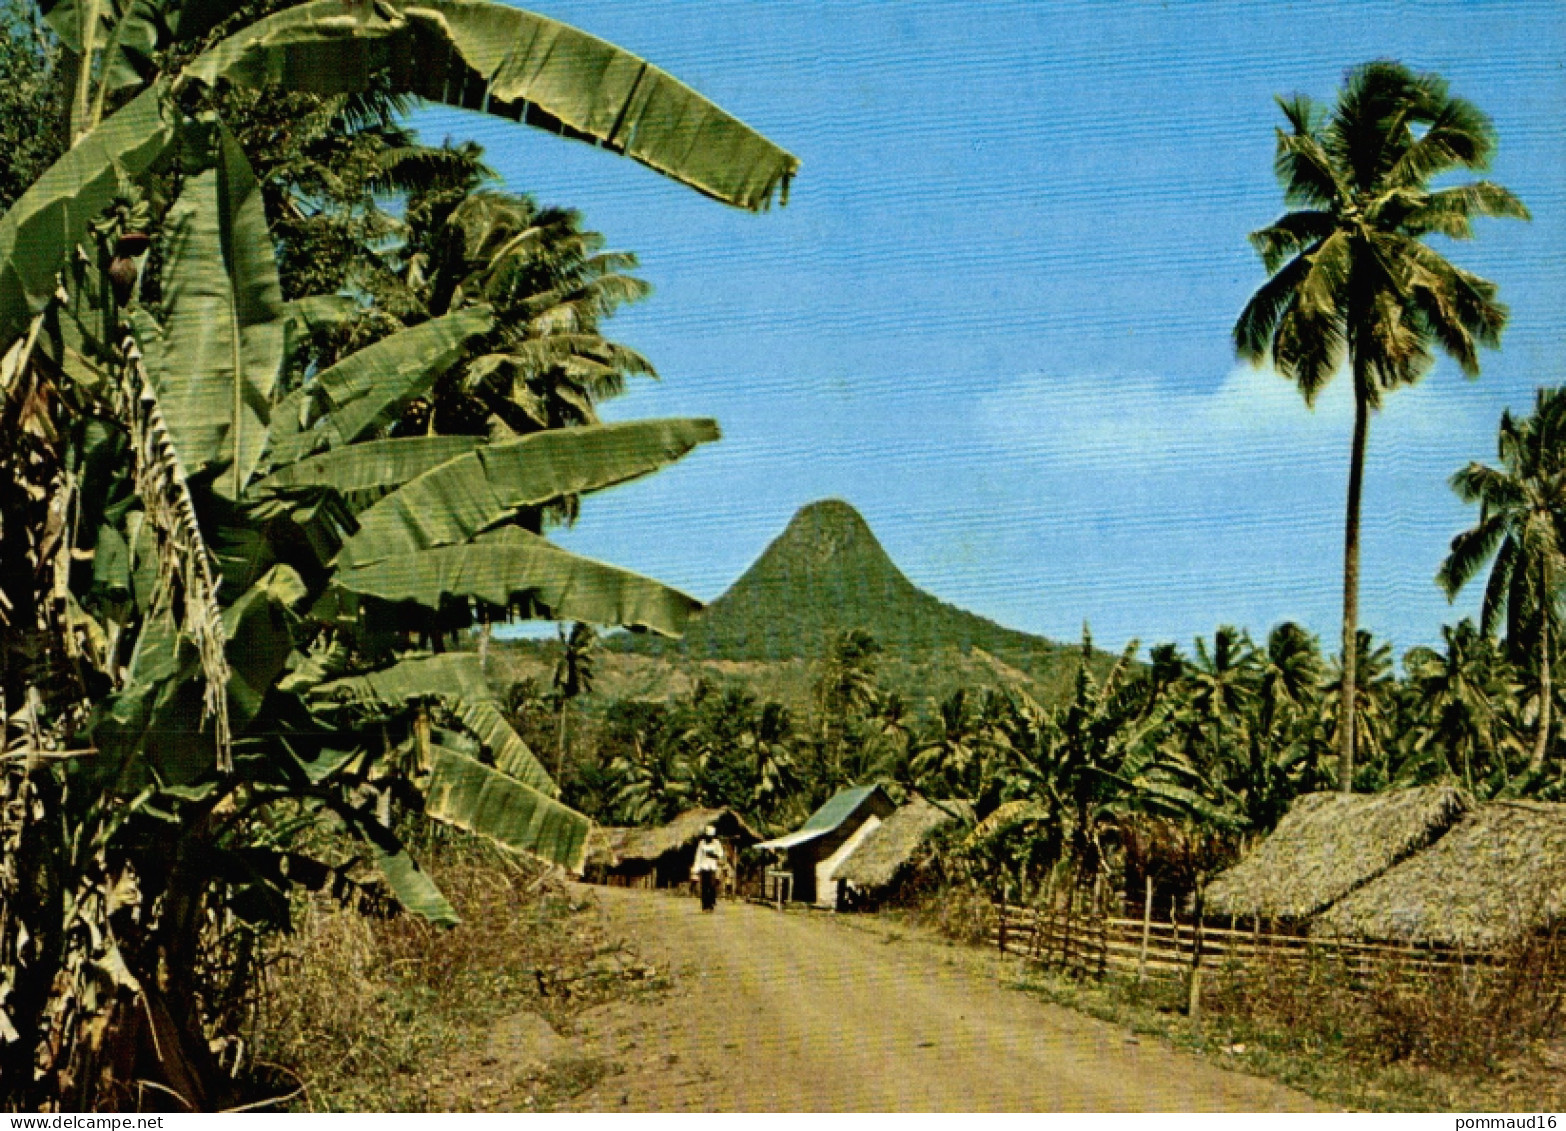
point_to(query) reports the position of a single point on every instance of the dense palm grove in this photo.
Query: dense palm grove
(290, 402)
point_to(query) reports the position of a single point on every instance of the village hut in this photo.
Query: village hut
(1496, 877)
(872, 871)
(1329, 844)
(812, 853)
(661, 857)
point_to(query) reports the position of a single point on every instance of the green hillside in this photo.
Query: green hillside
(826, 573)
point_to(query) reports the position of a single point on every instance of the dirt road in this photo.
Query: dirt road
(792, 1011)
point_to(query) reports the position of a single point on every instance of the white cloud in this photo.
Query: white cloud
(1142, 421)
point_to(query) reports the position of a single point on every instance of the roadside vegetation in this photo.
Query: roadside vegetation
(288, 401)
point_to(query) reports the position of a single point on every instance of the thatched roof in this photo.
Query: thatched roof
(604, 843)
(1497, 875)
(612, 846)
(1329, 844)
(890, 844)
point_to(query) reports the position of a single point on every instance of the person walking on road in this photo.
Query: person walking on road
(707, 866)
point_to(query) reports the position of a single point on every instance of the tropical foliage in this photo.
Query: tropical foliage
(233, 555)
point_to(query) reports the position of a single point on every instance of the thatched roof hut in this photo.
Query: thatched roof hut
(686, 830)
(660, 856)
(888, 847)
(1498, 875)
(1328, 845)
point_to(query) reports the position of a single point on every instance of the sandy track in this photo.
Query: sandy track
(796, 1012)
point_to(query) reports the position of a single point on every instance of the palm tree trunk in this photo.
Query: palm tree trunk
(1349, 691)
(560, 742)
(1541, 742)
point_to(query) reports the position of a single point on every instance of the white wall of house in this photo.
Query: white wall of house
(826, 886)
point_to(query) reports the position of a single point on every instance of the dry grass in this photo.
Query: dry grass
(1474, 1039)
(393, 1015)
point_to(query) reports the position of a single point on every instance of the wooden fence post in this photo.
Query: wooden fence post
(1193, 1000)
(1099, 917)
(1005, 893)
(1147, 928)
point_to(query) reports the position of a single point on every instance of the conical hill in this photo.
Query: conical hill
(827, 573)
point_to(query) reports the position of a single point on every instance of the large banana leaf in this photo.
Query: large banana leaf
(414, 889)
(367, 388)
(472, 796)
(509, 568)
(259, 627)
(50, 218)
(216, 362)
(453, 502)
(448, 675)
(512, 756)
(373, 465)
(503, 61)
(410, 883)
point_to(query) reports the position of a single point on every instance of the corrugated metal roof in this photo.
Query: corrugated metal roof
(837, 810)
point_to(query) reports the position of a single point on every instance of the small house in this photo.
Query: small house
(1329, 844)
(874, 870)
(811, 853)
(661, 857)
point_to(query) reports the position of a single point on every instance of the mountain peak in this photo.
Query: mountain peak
(827, 573)
(829, 530)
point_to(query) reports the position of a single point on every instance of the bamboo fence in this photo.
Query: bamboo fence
(1092, 943)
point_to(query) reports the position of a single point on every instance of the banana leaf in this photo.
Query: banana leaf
(259, 627)
(448, 675)
(369, 387)
(217, 359)
(509, 568)
(39, 231)
(503, 61)
(511, 755)
(453, 502)
(372, 465)
(410, 883)
(304, 316)
(472, 796)
(414, 889)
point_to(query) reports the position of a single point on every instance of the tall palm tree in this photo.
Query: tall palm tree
(1352, 281)
(1522, 516)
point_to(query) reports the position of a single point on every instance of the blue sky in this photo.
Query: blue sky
(995, 314)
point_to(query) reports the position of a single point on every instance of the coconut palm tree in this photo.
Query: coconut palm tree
(1464, 696)
(1278, 728)
(1352, 281)
(1522, 516)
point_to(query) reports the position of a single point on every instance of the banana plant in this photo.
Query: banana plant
(244, 580)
